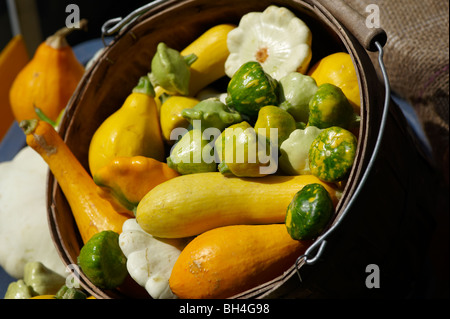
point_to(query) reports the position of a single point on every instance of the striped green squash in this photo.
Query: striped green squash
(332, 154)
(309, 212)
(250, 89)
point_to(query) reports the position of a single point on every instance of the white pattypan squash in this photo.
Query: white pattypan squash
(24, 232)
(276, 38)
(150, 260)
(294, 158)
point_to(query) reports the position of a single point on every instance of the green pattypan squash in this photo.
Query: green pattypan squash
(250, 89)
(102, 260)
(245, 153)
(273, 117)
(170, 70)
(212, 113)
(19, 290)
(309, 212)
(42, 279)
(332, 154)
(330, 107)
(189, 153)
(70, 293)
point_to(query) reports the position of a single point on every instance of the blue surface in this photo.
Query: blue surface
(5, 280)
(14, 140)
(12, 143)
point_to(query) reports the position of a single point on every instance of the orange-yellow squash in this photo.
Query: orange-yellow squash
(125, 180)
(225, 261)
(132, 130)
(92, 213)
(48, 81)
(13, 58)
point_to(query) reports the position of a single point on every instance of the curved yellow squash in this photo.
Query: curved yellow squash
(191, 204)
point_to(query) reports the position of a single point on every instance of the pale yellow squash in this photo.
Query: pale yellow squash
(191, 204)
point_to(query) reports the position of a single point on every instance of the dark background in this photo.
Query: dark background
(52, 16)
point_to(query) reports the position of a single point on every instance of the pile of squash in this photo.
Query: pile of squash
(219, 226)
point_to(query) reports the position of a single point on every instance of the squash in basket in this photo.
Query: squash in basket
(212, 51)
(191, 204)
(228, 260)
(92, 213)
(125, 180)
(332, 154)
(309, 212)
(133, 130)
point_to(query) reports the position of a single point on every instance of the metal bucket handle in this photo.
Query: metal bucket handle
(114, 25)
(373, 39)
(319, 245)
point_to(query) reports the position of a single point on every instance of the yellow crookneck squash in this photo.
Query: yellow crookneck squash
(133, 130)
(91, 212)
(212, 51)
(48, 80)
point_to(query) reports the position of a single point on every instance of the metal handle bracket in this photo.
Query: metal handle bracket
(114, 25)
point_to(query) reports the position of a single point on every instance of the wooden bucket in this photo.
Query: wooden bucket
(382, 215)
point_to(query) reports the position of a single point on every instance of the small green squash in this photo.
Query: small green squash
(102, 260)
(309, 212)
(250, 89)
(332, 154)
(273, 117)
(329, 107)
(192, 154)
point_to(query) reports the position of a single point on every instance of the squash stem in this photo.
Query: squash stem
(144, 86)
(189, 59)
(164, 97)
(44, 117)
(355, 122)
(224, 169)
(58, 39)
(28, 126)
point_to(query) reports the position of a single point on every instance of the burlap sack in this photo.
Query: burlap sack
(417, 60)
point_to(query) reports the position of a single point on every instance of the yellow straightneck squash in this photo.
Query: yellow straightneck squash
(191, 204)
